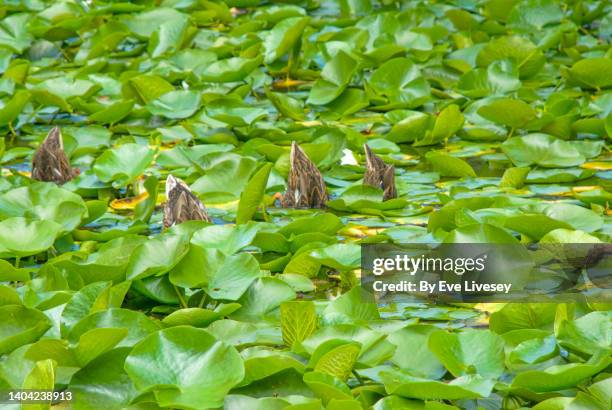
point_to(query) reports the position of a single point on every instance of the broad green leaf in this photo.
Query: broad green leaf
(137, 324)
(412, 352)
(44, 201)
(65, 87)
(449, 166)
(144, 24)
(237, 402)
(149, 87)
(95, 342)
(562, 376)
(534, 350)
(516, 316)
(169, 36)
(543, 150)
(199, 317)
(535, 14)
(234, 112)
(157, 256)
(22, 237)
(471, 351)
(400, 80)
(298, 321)
(520, 50)
(350, 308)
(327, 387)
(576, 216)
(42, 377)
(288, 106)
(228, 239)
(103, 382)
(339, 361)
(283, 37)
(568, 236)
(20, 326)
(175, 104)
(145, 209)
(233, 277)
(335, 77)
(226, 179)
(339, 256)
(588, 333)
(499, 77)
(14, 32)
(448, 122)
(591, 72)
(533, 225)
(11, 110)
(122, 164)
(113, 113)
(89, 299)
(9, 273)
(230, 69)
(203, 368)
(263, 298)
(465, 387)
(262, 362)
(514, 177)
(508, 111)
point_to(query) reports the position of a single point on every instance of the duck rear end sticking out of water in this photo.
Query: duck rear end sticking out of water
(379, 175)
(306, 188)
(50, 162)
(181, 204)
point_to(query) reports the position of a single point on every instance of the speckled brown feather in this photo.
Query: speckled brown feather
(181, 204)
(50, 162)
(379, 175)
(306, 187)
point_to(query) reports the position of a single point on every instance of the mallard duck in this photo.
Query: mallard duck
(306, 188)
(181, 204)
(379, 175)
(50, 162)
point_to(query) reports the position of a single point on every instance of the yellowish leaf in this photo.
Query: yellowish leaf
(124, 204)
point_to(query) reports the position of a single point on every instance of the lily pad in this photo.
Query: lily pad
(204, 369)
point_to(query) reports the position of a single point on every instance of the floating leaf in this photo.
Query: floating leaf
(469, 352)
(508, 111)
(450, 166)
(175, 104)
(591, 72)
(298, 321)
(123, 164)
(20, 326)
(335, 77)
(204, 369)
(542, 149)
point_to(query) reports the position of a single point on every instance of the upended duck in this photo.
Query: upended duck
(306, 188)
(50, 162)
(181, 204)
(379, 175)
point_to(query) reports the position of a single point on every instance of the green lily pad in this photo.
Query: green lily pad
(465, 387)
(20, 327)
(543, 150)
(22, 237)
(560, 377)
(335, 77)
(508, 111)
(469, 352)
(591, 72)
(175, 104)
(204, 369)
(123, 164)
